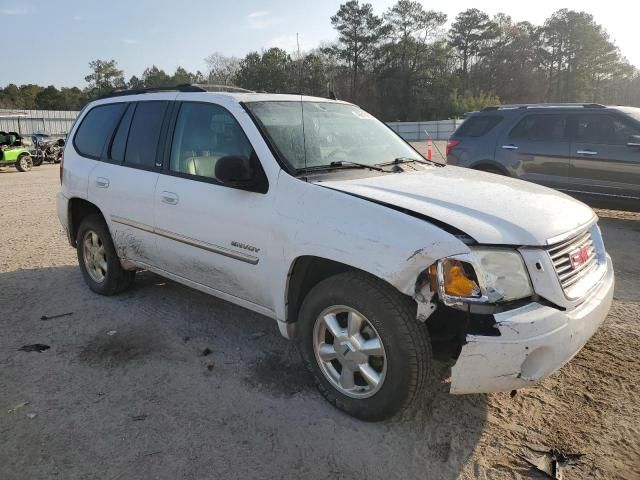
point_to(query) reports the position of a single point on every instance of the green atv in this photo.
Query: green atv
(13, 152)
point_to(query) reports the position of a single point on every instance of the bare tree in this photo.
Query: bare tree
(221, 69)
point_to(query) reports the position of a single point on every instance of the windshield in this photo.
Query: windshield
(315, 134)
(632, 112)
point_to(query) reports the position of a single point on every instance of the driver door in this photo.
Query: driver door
(208, 233)
(605, 158)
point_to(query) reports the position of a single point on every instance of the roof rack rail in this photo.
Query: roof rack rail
(221, 88)
(542, 105)
(184, 87)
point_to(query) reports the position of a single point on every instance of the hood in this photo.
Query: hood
(492, 209)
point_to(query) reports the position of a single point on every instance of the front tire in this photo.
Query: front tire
(361, 341)
(24, 163)
(98, 259)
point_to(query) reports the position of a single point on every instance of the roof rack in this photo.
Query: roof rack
(137, 91)
(221, 88)
(543, 105)
(185, 87)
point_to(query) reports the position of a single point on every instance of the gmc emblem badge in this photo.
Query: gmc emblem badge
(579, 256)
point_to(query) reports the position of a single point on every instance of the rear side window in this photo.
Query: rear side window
(541, 128)
(144, 134)
(96, 127)
(478, 125)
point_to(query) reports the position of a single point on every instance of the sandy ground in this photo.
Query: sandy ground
(144, 402)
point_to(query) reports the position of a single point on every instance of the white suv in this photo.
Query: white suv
(312, 212)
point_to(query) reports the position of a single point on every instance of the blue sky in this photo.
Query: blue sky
(139, 33)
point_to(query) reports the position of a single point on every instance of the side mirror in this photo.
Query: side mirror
(235, 171)
(634, 141)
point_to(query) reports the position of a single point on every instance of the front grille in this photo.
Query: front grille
(561, 258)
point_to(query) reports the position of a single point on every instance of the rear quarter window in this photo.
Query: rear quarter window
(96, 127)
(478, 125)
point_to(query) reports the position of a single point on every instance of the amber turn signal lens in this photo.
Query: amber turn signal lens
(457, 282)
(433, 277)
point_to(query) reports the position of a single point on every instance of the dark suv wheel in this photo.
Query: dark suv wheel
(360, 340)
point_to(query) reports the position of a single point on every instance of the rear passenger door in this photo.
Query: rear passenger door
(538, 149)
(209, 233)
(605, 160)
(123, 184)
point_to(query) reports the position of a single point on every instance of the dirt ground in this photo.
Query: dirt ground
(124, 392)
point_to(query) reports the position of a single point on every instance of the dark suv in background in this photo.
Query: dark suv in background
(587, 150)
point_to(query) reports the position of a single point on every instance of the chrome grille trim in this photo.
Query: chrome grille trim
(560, 257)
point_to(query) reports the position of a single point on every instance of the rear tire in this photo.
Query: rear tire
(98, 259)
(329, 346)
(24, 163)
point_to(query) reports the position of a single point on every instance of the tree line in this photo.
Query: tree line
(403, 64)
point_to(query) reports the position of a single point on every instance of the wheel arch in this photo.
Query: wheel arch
(305, 273)
(78, 209)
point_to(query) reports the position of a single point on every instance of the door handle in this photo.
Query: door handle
(102, 182)
(586, 152)
(169, 198)
(509, 147)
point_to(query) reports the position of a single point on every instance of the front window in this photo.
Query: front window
(204, 134)
(632, 112)
(605, 129)
(318, 134)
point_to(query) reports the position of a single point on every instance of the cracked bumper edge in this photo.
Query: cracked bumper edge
(535, 341)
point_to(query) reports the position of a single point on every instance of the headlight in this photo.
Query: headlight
(486, 275)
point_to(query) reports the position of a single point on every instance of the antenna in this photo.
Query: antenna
(299, 63)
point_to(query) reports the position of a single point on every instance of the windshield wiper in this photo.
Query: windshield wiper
(399, 160)
(342, 164)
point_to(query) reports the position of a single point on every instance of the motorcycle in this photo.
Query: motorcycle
(45, 149)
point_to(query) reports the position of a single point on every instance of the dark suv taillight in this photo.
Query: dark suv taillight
(451, 144)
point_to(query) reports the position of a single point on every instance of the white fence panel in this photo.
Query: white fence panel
(27, 122)
(419, 131)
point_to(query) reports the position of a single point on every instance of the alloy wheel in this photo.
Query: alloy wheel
(95, 257)
(349, 351)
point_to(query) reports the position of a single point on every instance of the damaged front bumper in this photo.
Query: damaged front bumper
(535, 340)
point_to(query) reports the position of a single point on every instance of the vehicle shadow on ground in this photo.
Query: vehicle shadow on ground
(177, 352)
(611, 204)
